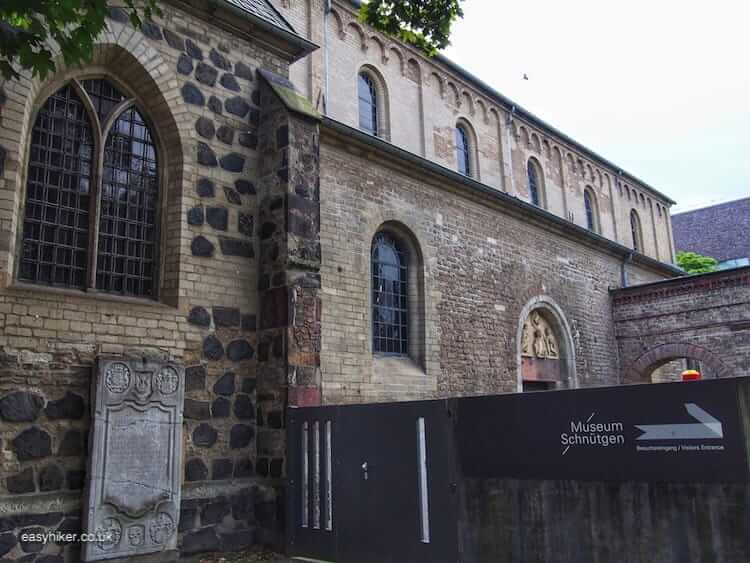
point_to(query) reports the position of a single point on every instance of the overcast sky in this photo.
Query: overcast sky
(659, 87)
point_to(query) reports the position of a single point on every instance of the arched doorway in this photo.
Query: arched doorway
(546, 355)
(667, 361)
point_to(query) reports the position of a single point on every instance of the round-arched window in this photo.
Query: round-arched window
(635, 231)
(368, 104)
(91, 208)
(390, 291)
(534, 183)
(463, 151)
(592, 218)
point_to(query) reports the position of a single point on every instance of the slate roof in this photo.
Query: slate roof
(721, 231)
(263, 10)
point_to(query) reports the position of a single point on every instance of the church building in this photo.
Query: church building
(262, 204)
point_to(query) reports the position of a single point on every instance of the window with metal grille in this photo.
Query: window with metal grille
(368, 104)
(533, 177)
(462, 151)
(62, 243)
(635, 231)
(588, 201)
(390, 307)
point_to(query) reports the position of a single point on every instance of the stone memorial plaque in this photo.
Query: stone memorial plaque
(133, 487)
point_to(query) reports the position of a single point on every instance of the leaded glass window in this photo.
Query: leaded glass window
(635, 231)
(533, 178)
(368, 104)
(60, 242)
(590, 210)
(462, 151)
(390, 306)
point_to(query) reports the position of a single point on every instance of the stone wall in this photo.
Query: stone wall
(484, 260)
(704, 318)
(423, 99)
(196, 83)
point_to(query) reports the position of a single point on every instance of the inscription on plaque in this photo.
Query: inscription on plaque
(133, 492)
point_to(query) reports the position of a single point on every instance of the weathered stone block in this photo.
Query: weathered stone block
(244, 408)
(192, 94)
(232, 162)
(197, 410)
(219, 60)
(201, 541)
(220, 408)
(217, 217)
(243, 71)
(206, 74)
(205, 127)
(206, 155)
(229, 82)
(201, 246)
(195, 470)
(174, 40)
(236, 247)
(239, 350)
(226, 316)
(225, 385)
(240, 436)
(22, 482)
(193, 50)
(72, 443)
(213, 349)
(195, 216)
(21, 406)
(204, 436)
(70, 407)
(205, 188)
(199, 316)
(32, 443)
(51, 478)
(195, 378)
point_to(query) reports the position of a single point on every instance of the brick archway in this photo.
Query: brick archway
(660, 355)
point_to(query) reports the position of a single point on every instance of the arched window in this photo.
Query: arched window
(76, 178)
(463, 151)
(535, 187)
(390, 291)
(368, 104)
(592, 210)
(635, 231)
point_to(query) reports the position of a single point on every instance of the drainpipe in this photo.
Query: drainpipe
(326, 11)
(624, 270)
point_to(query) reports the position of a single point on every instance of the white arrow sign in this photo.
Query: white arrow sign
(708, 427)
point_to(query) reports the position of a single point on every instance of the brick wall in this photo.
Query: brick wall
(483, 260)
(704, 318)
(197, 85)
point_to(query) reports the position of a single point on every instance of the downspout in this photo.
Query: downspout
(624, 270)
(326, 11)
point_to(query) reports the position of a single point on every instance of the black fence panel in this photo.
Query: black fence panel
(468, 479)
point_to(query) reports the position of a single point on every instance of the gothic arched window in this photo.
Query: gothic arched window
(635, 231)
(592, 217)
(390, 291)
(535, 187)
(463, 151)
(92, 192)
(368, 104)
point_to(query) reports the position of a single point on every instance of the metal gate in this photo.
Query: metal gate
(372, 483)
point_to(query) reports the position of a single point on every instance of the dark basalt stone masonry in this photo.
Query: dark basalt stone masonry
(289, 283)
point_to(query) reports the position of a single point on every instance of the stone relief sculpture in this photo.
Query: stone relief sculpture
(134, 500)
(538, 339)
